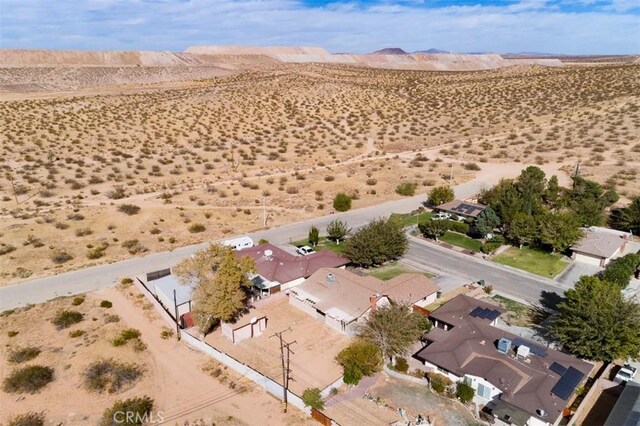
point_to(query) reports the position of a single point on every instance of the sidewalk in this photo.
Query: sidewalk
(354, 393)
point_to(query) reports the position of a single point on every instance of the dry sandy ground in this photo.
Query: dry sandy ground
(211, 152)
(173, 376)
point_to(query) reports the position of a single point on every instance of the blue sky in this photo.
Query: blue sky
(555, 26)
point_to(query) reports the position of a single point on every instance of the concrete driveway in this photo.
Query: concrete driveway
(575, 270)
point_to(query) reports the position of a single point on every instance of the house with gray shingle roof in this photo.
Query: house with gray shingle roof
(599, 245)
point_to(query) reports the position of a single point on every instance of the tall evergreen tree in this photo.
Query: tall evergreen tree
(531, 184)
(627, 218)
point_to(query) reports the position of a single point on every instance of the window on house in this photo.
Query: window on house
(483, 391)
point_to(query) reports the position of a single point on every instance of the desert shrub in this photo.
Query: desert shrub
(197, 227)
(60, 256)
(117, 193)
(401, 365)
(439, 383)
(312, 398)
(110, 375)
(106, 304)
(166, 333)
(81, 232)
(28, 379)
(129, 209)
(6, 249)
(406, 188)
(65, 319)
(126, 335)
(130, 412)
(342, 202)
(12, 333)
(28, 419)
(126, 282)
(78, 300)
(97, 252)
(134, 246)
(464, 392)
(76, 333)
(111, 318)
(471, 166)
(18, 355)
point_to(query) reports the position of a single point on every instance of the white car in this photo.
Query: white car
(441, 216)
(305, 250)
(625, 374)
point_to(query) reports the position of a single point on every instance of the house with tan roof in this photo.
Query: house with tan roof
(521, 382)
(279, 269)
(599, 245)
(342, 299)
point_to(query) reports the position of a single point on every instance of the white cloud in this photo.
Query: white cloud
(526, 25)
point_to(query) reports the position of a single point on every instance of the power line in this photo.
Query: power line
(286, 368)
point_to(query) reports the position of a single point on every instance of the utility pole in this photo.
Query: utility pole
(286, 370)
(451, 174)
(577, 172)
(264, 211)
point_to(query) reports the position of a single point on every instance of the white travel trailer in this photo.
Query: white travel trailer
(239, 243)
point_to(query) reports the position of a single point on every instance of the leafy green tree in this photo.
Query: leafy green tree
(338, 230)
(312, 398)
(589, 200)
(627, 218)
(378, 242)
(620, 270)
(342, 202)
(440, 195)
(487, 220)
(314, 236)
(434, 228)
(464, 392)
(505, 200)
(597, 322)
(393, 328)
(559, 230)
(220, 280)
(531, 185)
(359, 359)
(523, 230)
(553, 193)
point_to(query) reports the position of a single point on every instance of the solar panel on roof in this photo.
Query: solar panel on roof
(567, 383)
(492, 314)
(558, 369)
(477, 312)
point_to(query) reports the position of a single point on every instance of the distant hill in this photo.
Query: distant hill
(389, 51)
(432, 51)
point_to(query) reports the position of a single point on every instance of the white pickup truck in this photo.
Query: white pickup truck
(625, 374)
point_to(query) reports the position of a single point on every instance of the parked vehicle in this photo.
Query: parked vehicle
(625, 374)
(305, 250)
(239, 243)
(441, 216)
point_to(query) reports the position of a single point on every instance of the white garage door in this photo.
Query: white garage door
(587, 259)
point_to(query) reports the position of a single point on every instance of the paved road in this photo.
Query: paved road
(454, 266)
(96, 277)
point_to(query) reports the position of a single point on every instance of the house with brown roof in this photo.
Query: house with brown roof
(279, 270)
(599, 245)
(342, 299)
(523, 383)
(461, 208)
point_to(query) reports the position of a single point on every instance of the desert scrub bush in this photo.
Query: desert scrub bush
(110, 375)
(65, 319)
(439, 383)
(406, 188)
(117, 193)
(126, 282)
(342, 202)
(197, 227)
(61, 225)
(12, 333)
(6, 249)
(166, 332)
(312, 398)
(28, 419)
(136, 409)
(401, 365)
(471, 166)
(126, 335)
(18, 355)
(134, 247)
(106, 304)
(29, 379)
(78, 300)
(129, 209)
(81, 232)
(97, 252)
(60, 256)
(111, 318)
(76, 333)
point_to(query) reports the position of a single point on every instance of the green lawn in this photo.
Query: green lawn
(392, 270)
(411, 219)
(461, 241)
(538, 262)
(323, 244)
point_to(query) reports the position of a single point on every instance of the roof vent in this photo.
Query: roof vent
(541, 412)
(330, 278)
(268, 253)
(523, 351)
(504, 345)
